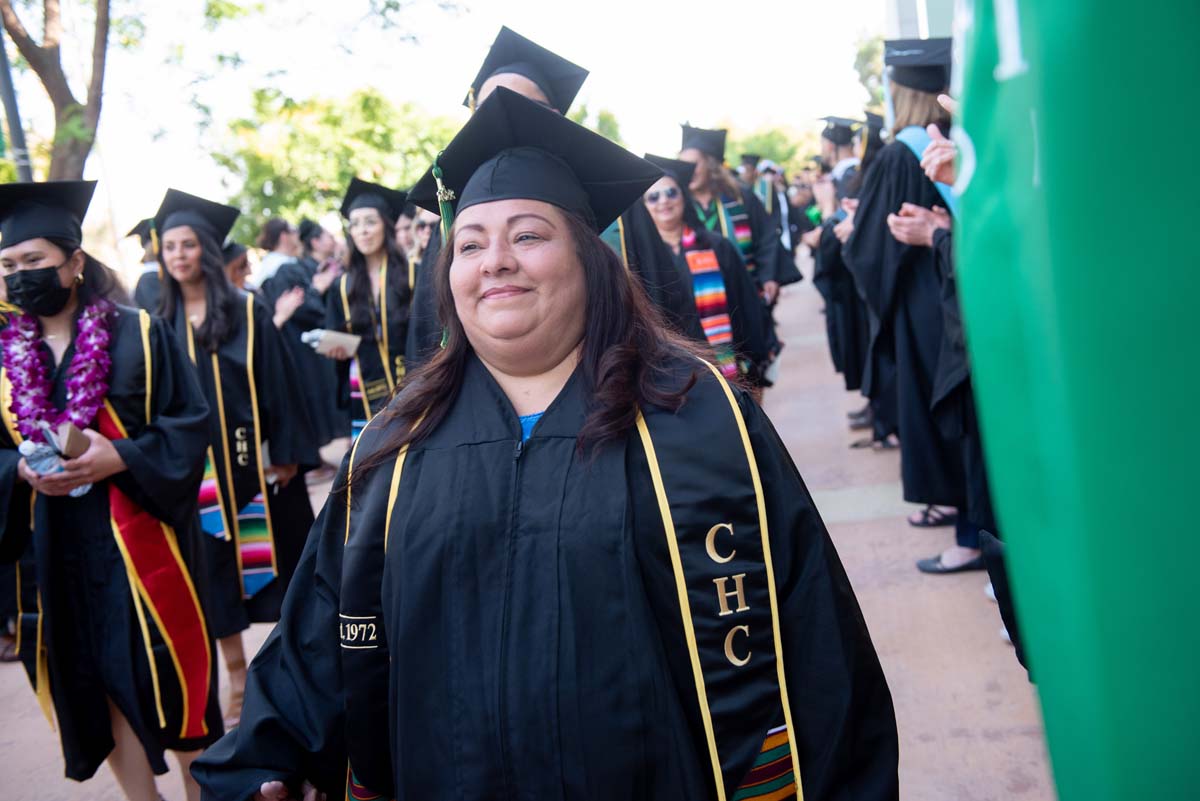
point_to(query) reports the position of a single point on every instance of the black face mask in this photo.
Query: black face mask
(38, 292)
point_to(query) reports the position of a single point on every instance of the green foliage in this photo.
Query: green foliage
(71, 126)
(219, 11)
(783, 146)
(128, 31)
(296, 157)
(8, 172)
(868, 63)
(603, 122)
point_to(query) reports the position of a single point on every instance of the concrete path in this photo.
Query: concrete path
(969, 722)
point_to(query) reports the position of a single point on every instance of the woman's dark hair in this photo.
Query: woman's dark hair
(272, 230)
(99, 281)
(629, 357)
(358, 282)
(222, 298)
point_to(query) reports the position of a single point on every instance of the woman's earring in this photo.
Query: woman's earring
(79, 279)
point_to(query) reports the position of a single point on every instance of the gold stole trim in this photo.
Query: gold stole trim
(681, 589)
(141, 595)
(621, 236)
(258, 460)
(41, 682)
(362, 382)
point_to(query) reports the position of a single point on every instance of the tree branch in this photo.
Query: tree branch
(51, 24)
(24, 42)
(95, 90)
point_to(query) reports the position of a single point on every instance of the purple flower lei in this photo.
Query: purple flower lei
(87, 381)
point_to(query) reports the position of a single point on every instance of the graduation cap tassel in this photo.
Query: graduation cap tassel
(157, 252)
(444, 198)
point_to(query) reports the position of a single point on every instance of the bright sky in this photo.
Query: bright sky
(654, 64)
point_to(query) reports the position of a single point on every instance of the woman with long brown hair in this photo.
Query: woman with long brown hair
(569, 560)
(111, 630)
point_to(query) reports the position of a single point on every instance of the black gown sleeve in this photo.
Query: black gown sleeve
(766, 239)
(293, 721)
(840, 702)
(872, 254)
(148, 292)
(311, 313)
(335, 320)
(286, 424)
(424, 332)
(165, 459)
(748, 315)
(14, 500)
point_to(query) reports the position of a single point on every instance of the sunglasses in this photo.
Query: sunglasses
(421, 226)
(669, 193)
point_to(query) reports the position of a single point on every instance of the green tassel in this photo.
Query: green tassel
(444, 197)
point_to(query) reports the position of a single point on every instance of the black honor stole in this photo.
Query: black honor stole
(715, 520)
(374, 372)
(234, 501)
(364, 647)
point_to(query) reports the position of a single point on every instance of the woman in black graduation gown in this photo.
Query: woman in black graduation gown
(732, 317)
(571, 561)
(282, 277)
(253, 503)
(111, 630)
(527, 68)
(725, 209)
(371, 300)
(901, 287)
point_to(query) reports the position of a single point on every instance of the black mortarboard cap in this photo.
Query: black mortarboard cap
(705, 140)
(207, 216)
(751, 159)
(921, 64)
(142, 229)
(874, 121)
(839, 130)
(681, 171)
(514, 148)
(559, 79)
(49, 210)
(366, 195)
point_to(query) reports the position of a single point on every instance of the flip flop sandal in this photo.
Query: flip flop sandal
(934, 566)
(932, 517)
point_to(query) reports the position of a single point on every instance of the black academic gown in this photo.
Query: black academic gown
(318, 374)
(380, 357)
(537, 649)
(286, 433)
(953, 398)
(424, 334)
(900, 285)
(846, 322)
(749, 318)
(75, 589)
(636, 240)
(148, 291)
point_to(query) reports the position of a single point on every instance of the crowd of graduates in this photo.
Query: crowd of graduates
(533, 379)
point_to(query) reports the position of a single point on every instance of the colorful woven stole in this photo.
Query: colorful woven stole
(708, 287)
(731, 217)
(250, 528)
(162, 586)
(720, 552)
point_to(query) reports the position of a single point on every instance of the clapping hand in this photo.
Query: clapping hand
(914, 225)
(278, 791)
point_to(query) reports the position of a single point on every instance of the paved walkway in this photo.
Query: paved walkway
(969, 723)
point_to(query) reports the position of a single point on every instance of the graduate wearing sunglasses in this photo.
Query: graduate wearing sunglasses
(731, 315)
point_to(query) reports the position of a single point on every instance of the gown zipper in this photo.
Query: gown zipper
(502, 703)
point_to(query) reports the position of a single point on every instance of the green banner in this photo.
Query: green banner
(1082, 327)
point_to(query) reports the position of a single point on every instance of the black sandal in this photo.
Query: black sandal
(934, 566)
(932, 517)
